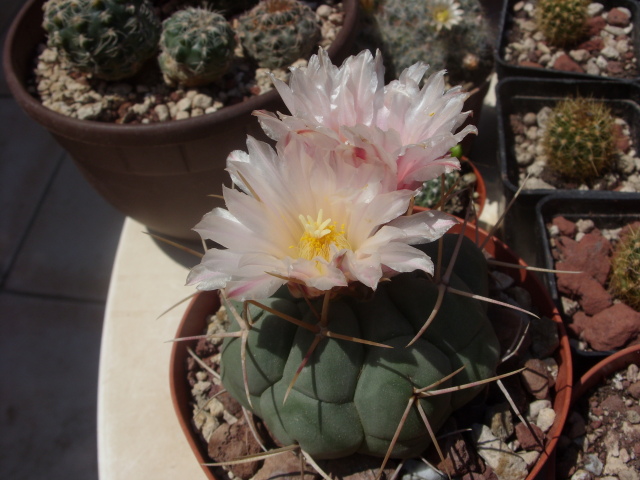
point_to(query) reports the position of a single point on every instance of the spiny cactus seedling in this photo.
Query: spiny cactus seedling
(579, 140)
(196, 47)
(563, 22)
(624, 282)
(446, 34)
(335, 397)
(110, 39)
(276, 33)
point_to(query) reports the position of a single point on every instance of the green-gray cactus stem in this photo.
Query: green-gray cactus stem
(276, 33)
(579, 140)
(408, 31)
(624, 282)
(563, 22)
(110, 39)
(350, 397)
(196, 47)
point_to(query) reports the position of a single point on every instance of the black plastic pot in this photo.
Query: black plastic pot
(505, 69)
(607, 210)
(161, 174)
(519, 95)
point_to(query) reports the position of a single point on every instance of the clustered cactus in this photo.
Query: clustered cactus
(624, 282)
(110, 39)
(446, 34)
(275, 33)
(563, 22)
(350, 397)
(196, 47)
(579, 140)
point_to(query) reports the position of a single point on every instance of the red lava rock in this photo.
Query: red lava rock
(590, 255)
(623, 142)
(527, 439)
(536, 378)
(615, 68)
(634, 390)
(612, 328)
(591, 295)
(459, 458)
(595, 25)
(230, 442)
(283, 467)
(565, 227)
(530, 64)
(618, 18)
(593, 45)
(566, 64)
(613, 404)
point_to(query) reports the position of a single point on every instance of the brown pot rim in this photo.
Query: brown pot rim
(160, 133)
(604, 368)
(204, 302)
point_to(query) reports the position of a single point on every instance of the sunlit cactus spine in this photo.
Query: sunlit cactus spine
(196, 47)
(563, 22)
(579, 140)
(275, 33)
(624, 282)
(110, 39)
(350, 397)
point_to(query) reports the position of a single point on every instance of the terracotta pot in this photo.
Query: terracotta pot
(160, 174)
(206, 303)
(480, 189)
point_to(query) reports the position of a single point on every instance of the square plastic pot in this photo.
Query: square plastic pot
(505, 69)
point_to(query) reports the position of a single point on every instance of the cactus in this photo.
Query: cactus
(579, 140)
(350, 397)
(196, 47)
(441, 33)
(624, 282)
(110, 39)
(432, 191)
(563, 22)
(275, 33)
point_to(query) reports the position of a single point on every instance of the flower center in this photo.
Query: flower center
(318, 237)
(442, 15)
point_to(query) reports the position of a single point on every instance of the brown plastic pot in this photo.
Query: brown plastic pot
(159, 174)
(480, 188)
(206, 303)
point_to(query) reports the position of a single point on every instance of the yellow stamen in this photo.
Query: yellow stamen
(318, 237)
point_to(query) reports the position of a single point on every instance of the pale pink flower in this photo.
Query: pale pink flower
(312, 218)
(410, 128)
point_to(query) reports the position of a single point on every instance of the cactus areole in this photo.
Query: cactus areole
(350, 397)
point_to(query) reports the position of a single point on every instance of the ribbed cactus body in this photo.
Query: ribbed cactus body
(275, 33)
(110, 39)
(563, 22)
(407, 31)
(579, 139)
(624, 282)
(350, 397)
(196, 47)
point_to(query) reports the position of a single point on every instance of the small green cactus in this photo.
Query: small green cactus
(624, 282)
(350, 396)
(563, 22)
(432, 191)
(579, 140)
(446, 34)
(196, 47)
(275, 33)
(110, 39)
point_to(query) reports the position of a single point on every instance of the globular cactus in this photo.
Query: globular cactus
(563, 22)
(446, 34)
(432, 190)
(579, 140)
(197, 47)
(110, 39)
(624, 282)
(275, 33)
(350, 397)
